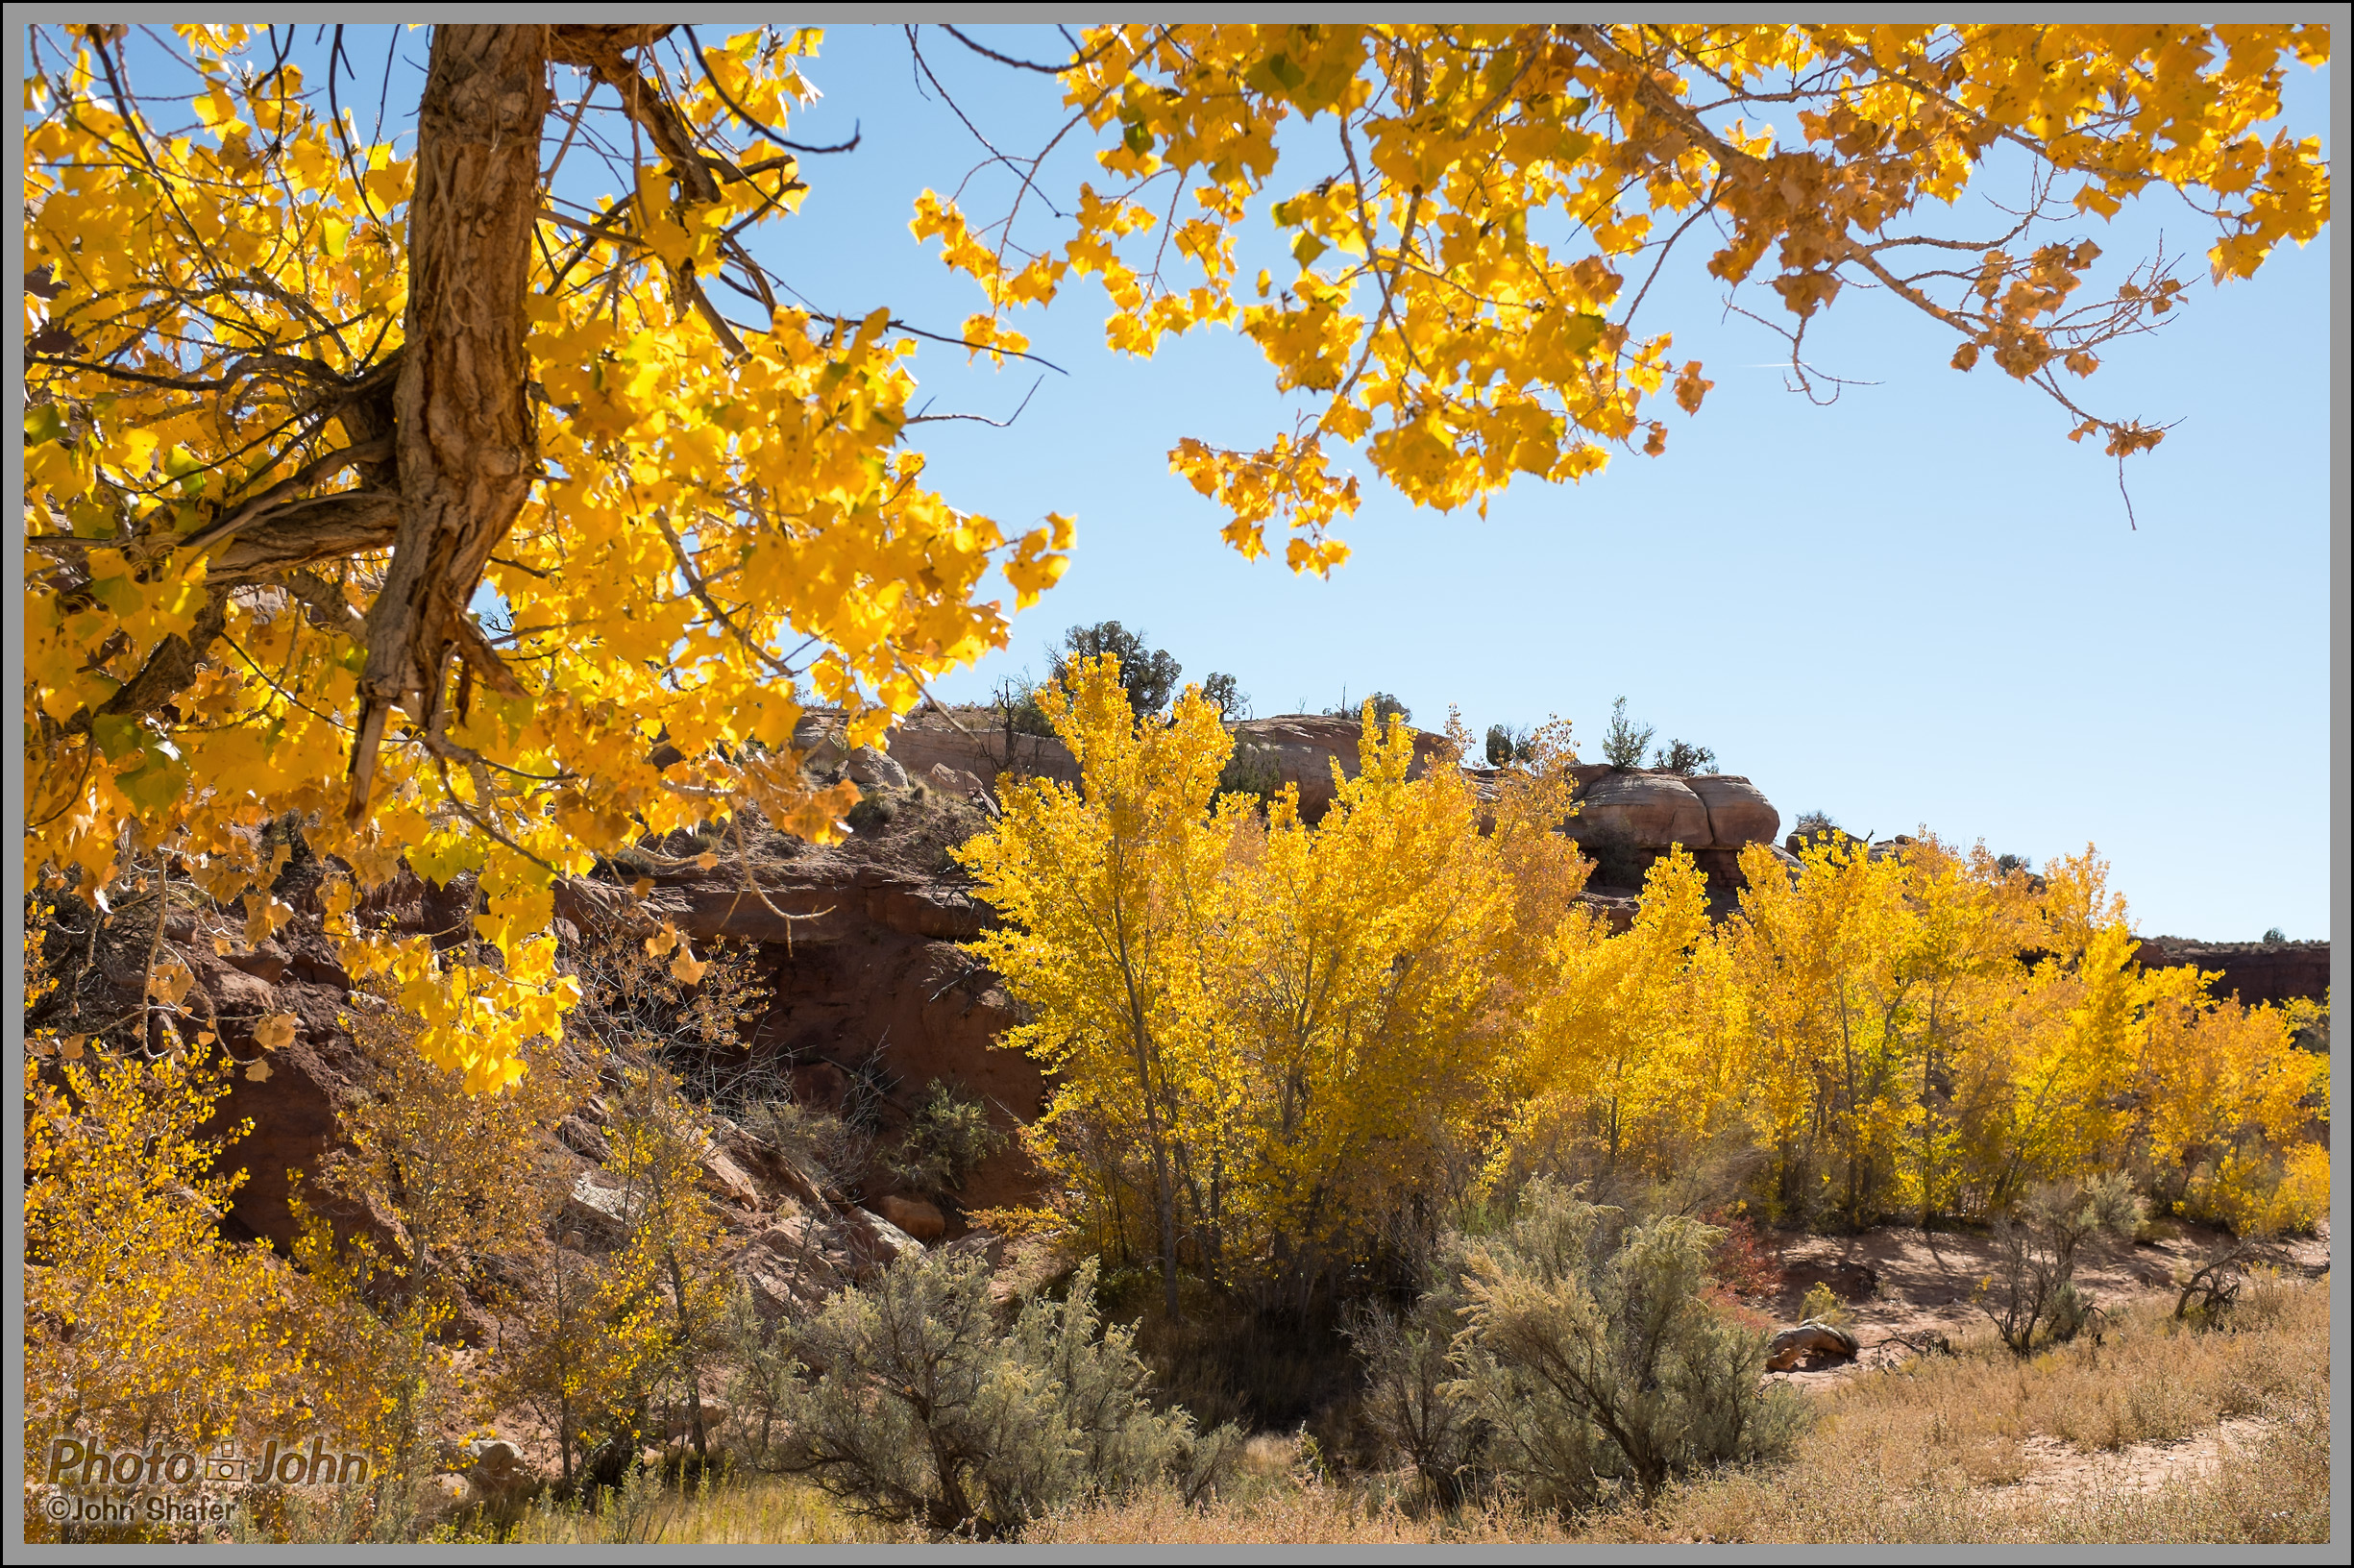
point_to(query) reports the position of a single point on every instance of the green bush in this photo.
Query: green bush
(1595, 1357)
(873, 812)
(1685, 758)
(1509, 744)
(946, 1138)
(913, 1402)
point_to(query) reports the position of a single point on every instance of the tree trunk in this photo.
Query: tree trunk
(465, 438)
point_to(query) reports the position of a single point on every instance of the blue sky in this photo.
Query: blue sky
(1919, 606)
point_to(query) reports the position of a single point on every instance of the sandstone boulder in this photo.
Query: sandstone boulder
(916, 1217)
(594, 1213)
(1652, 809)
(954, 782)
(876, 1242)
(1738, 811)
(876, 770)
(792, 1266)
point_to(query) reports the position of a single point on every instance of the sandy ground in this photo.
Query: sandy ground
(2055, 1466)
(1900, 1281)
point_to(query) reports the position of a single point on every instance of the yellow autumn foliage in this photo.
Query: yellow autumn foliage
(243, 598)
(1276, 1048)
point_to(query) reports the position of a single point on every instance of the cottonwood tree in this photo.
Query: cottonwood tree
(295, 400)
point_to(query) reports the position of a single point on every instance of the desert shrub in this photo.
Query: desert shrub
(2032, 1297)
(1747, 1261)
(1596, 1356)
(1625, 741)
(2209, 1295)
(1411, 1400)
(1147, 675)
(1822, 1305)
(2274, 936)
(1686, 758)
(946, 1138)
(874, 810)
(829, 1152)
(920, 1405)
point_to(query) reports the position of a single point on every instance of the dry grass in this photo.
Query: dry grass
(1940, 1450)
(1937, 1450)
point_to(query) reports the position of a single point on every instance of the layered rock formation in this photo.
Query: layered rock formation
(2255, 971)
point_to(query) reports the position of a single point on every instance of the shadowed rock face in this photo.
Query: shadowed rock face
(2255, 971)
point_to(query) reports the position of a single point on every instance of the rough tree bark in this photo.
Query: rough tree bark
(464, 435)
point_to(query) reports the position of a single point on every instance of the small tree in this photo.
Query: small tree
(1623, 744)
(1224, 693)
(1147, 675)
(659, 1138)
(1509, 744)
(466, 1177)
